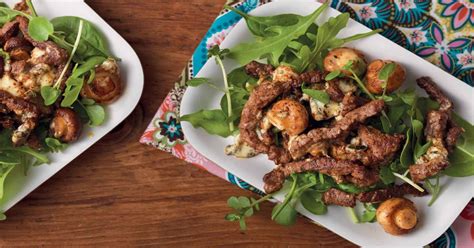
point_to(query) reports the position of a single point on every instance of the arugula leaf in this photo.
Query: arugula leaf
(350, 188)
(386, 71)
(213, 121)
(55, 145)
(318, 95)
(420, 150)
(326, 34)
(324, 40)
(406, 158)
(434, 190)
(71, 93)
(273, 46)
(332, 75)
(259, 25)
(5, 170)
(462, 158)
(87, 66)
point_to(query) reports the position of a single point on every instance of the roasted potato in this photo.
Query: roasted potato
(395, 80)
(339, 57)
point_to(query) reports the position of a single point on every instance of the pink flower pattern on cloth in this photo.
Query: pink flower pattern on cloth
(440, 42)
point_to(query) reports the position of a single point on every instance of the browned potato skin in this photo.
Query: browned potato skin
(289, 115)
(105, 88)
(66, 125)
(374, 84)
(339, 57)
(397, 216)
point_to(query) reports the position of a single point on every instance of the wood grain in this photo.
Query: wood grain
(120, 192)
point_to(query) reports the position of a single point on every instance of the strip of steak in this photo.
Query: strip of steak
(338, 197)
(440, 130)
(259, 70)
(336, 168)
(303, 143)
(251, 115)
(381, 195)
(334, 92)
(351, 102)
(435, 93)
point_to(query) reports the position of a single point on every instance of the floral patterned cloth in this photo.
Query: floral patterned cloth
(440, 31)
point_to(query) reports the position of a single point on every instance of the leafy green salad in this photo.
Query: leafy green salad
(55, 77)
(339, 129)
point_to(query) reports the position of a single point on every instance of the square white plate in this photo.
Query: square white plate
(17, 185)
(434, 220)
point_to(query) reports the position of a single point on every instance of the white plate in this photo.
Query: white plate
(434, 220)
(17, 185)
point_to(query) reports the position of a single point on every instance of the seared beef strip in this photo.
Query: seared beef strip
(259, 70)
(302, 144)
(381, 195)
(338, 197)
(351, 102)
(336, 168)
(375, 148)
(284, 79)
(312, 77)
(435, 93)
(454, 131)
(334, 92)
(26, 112)
(436, 131)
(262, 96)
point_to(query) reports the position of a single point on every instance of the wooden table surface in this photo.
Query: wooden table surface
(120, 192)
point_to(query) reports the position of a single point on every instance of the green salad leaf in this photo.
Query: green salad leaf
(260, 25)
(40, 28)
(213, 121)
(4, 172)
(93, 42)
(274, 45)
(318, 95)
(55, 145)
(434, 189)
(462, 158)
(312, 201)
(7, 14)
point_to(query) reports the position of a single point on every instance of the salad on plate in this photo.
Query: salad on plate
(55, 77)
(340, 129)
